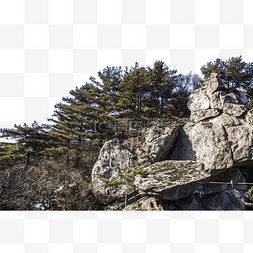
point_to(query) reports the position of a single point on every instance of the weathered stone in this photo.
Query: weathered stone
(216, 100)
(234, 109)
(190, 203)
(242, 98)
(241, 146)
(222, 200)
(152, 204)
(230, 98)
(219, 200)
(111, 161)
(228, 175)
(213, 84)
(200, 115)
(198, 101)
(214, 97)
(149, 204)
(220, 143)
(117, 158)
(171, 180)
(159, 142)
(249, 117)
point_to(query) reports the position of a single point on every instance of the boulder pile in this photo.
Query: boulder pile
(220, 132)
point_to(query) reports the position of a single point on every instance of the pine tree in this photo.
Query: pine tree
(31, 141)
(133, 90)
(235, 72)
(80, 121)
(163, 81)
(111, 78)
(185, 85)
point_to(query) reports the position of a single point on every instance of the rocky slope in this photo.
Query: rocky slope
(169, 161)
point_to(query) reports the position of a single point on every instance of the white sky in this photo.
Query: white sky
(50, 48)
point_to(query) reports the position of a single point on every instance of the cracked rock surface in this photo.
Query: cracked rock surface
(218, 136)
(171, 180)
(220, 143)
(215, 98)
(118, 159)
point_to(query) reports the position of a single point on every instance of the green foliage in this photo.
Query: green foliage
(113, 182)
(145, 164)
(138, 171)
(184, 86)
(10, 155)
(249, 194)
(76, 127)
(234, 71)
(128, 177)
(31, 142)
(138, 164)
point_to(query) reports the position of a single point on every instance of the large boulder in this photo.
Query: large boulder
(171, 180)
(202, 114)
(249, 117)
(220, 200)
(215, 98)
(112, 160)
(160, 141)
(118, 158)
(231, 200)
(220, 143)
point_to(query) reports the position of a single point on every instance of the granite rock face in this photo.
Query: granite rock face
(171, 180)
(211, 147)
(202, 114)
(111, 162)
(249, 117)
(117, 159)
(215, 201)
(215, 98)
(220, 143)
(218, 136)
(159, 142)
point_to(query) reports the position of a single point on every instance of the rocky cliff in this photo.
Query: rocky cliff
(168, 161)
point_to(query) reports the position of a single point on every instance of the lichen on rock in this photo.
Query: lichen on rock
(171, 180)
(119, 157)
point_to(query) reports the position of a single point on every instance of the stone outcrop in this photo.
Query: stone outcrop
(169, 162)
(118, 158)
(202, 114)
(219, 136)
(160, 141)
(215, 98)
(171, 180)
(249, 117)
(220, 200)
(220, 143)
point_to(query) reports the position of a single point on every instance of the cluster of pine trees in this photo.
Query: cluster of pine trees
(138, 92)
(142, 93)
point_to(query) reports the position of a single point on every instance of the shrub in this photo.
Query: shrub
(249, 194)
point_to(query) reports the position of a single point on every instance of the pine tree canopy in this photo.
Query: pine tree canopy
(81, 122)
(234, 71)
